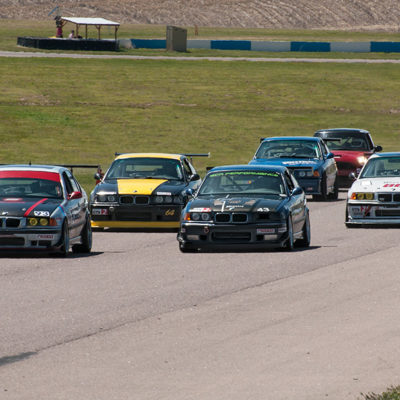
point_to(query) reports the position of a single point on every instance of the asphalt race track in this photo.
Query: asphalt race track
(139, 320)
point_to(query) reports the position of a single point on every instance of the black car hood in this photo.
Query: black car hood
(19, 207)
(235, 204)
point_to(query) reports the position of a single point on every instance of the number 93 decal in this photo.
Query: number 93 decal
(41, 214)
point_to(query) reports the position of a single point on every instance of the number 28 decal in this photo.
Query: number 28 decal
(41, 214)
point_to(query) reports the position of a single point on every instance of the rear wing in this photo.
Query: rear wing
(69, 166)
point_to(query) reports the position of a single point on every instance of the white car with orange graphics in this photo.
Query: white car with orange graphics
(374, 198)
(144, 191)
(43, 208)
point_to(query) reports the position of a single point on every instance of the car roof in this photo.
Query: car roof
(250, 167)
(308, 138)
(150, 155)
(342, 131)
(28, 167)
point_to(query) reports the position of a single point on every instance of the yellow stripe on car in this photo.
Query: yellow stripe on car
(150, 155)
(139, 186)
(135, 224)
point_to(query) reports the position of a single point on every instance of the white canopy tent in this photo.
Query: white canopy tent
(97, 22)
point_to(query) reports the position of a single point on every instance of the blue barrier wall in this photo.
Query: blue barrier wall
(258, 45)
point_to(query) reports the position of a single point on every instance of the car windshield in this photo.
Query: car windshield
(288, 149)
(381, 167)
(243, 183)
(347, 141)
(29, 187)
(145, 168)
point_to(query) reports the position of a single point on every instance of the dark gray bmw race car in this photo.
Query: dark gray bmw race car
(246, 206)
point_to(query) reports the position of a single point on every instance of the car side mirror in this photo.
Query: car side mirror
(330, 155)
(194, 177)
(377, 148)
(97, 176)
(75, 195)
(189, 192)
(353, 176)
(296, 191)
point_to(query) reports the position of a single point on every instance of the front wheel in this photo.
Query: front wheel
(86, 240)
(306, 239)
(289, 245)
(64, 244)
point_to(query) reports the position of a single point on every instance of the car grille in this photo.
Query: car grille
(127, 199)
(12, 241)
(131, 216)
(345, 166)
(231, 236)
(10, 222)
(389, 197)
(387, 213)
(231, 217)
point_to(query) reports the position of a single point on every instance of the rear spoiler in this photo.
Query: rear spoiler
(69, 166)
(330, 139)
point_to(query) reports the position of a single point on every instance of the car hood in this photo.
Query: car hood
(288, 162)
(388, 184)
(28, 207)
(141, 186)
(236, 204)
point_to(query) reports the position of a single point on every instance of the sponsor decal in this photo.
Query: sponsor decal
(100, 211)
(298, 163)
(45, 236)
(391, 185)
(263, 231)
(247, 173)
(361, 211)
(170, 212)
(201, 209)
(12, 200)
(163, 193)
(41, 214)
(49, 176)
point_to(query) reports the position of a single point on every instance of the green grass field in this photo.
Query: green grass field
(82, 111)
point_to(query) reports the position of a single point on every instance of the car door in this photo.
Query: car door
(76, 207)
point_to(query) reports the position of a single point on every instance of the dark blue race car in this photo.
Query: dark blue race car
(246, 206)
(308, 158)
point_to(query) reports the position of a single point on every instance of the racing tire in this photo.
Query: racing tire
(335, 194)
(323, 196)
(86, 240)
(306, 239)
(63, 250)
(184, 248)
(289, 245)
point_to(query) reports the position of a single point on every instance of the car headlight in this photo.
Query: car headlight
(362, 160)
(106, 198)
(41, 221)
(362, 196)
(198, 216)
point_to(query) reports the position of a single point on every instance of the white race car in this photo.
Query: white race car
(374, 198)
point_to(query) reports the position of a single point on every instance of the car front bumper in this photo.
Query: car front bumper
(32, 240)
(134, 216)
(310, 185)
(364, 214)
(235, 236)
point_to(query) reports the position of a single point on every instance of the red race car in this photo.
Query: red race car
(351, 147)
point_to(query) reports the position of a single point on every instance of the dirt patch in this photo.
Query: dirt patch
(291, 14)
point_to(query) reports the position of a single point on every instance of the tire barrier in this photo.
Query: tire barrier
(68, 44)
(256, 45)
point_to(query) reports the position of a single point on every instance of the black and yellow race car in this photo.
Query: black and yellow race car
(144, 190)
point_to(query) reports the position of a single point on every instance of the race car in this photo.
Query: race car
(308, 158)
(143, 190)
(43, 208)
(246, 207)
(374, 198)
(351, 148)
